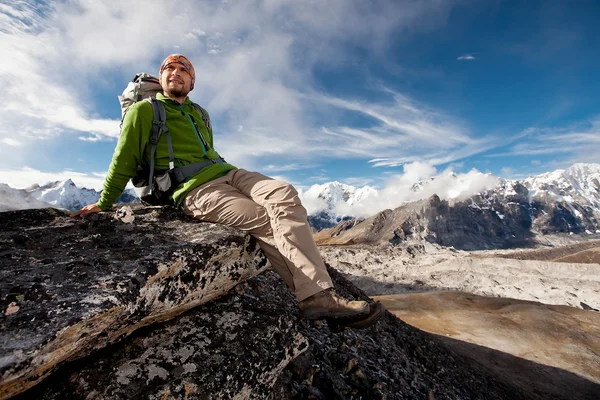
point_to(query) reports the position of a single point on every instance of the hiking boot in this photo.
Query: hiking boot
(327, 304)
(376, 311)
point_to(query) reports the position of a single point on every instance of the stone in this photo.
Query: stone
(102, 313)
(69, 287)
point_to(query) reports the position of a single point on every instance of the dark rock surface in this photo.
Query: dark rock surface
(69, 287)
(133, 342)
(252, 344)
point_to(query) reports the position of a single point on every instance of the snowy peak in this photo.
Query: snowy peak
(65, 194)
(333, 198)
(453, 186)
(18, 199)
(59, 194)
(332, 192)
(329, 203)
(568, 195)
(579, 183)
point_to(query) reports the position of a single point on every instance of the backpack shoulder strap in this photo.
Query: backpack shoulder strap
(158, 127)
(204, 116)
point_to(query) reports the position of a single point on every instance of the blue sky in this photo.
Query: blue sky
(311, 91)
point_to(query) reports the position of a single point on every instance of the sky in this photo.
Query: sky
(360, 92)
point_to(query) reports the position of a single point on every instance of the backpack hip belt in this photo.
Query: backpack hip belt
(180, 174)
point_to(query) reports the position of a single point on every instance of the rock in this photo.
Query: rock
(252, 343)
(70, 287)
(101, 310)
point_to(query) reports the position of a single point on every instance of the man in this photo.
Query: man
(268, 209)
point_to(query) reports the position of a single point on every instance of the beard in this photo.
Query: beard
(176, 91)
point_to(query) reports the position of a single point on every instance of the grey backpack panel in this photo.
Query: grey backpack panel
(141, 87)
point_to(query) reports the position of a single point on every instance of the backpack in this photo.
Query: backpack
(155, 187)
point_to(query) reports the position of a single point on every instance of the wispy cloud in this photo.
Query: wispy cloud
(400, 131)
(286, 167)
(255, 72)
(579, 141)
(467, 57)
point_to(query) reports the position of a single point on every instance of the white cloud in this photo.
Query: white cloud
(466, 57)
(55, 55)
(285, 167)
(418, 181)
(10, 142)
(401, 131)
(446, 184)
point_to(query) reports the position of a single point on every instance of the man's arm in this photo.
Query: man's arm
(127, 156)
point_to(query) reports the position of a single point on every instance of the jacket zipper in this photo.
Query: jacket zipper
(202, 142)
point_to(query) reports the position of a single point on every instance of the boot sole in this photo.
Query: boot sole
(376, 311)
(326, 314)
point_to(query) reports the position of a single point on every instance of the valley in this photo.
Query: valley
(529, 315)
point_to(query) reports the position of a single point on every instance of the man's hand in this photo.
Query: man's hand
(87, 210)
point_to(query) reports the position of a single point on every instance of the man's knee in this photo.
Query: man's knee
(285, 193)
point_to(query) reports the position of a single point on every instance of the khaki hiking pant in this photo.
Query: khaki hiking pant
(271, 211)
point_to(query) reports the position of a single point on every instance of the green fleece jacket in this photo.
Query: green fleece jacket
(192, 143)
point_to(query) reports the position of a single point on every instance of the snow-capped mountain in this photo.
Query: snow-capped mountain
(59, 194)
(559, 201)
(64, 194)
(509, 214)
(566, 201)
(331, 202)
(579, 184)
(18, 199)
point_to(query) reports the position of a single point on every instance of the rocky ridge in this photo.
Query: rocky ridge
(508, 215)
(511, 215)
(60, 275)
(462, 225)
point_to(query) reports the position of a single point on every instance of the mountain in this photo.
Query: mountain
(575, 190)
(18, 199)
(562, 201)
(333, 201)
(64, 194)
(509, 215)
(59, 194)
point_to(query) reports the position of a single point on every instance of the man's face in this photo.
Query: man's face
(176, 80)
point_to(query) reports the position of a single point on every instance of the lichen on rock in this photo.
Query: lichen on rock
(167, 307)
(71, 286)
